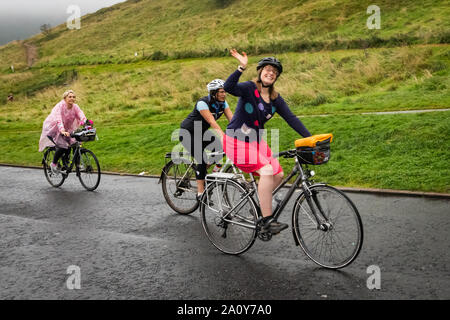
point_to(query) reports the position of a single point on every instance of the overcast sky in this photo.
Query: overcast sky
(20, 19)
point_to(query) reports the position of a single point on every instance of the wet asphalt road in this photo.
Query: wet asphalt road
(130, 245)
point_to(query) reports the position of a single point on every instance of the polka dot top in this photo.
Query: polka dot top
(252, 112)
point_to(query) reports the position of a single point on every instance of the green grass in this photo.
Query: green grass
(403, 151)
(346, 81)
(333, 65)
(137, 106)
(184, 29)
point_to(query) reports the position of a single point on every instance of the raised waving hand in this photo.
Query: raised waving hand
(242, 58)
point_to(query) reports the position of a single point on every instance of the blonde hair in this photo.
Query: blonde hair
(65, 94)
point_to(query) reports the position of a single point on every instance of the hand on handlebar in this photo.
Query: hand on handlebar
(65, 133)
(286, 154)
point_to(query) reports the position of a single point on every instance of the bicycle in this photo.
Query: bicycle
(325, 222)
(86, 164)
(178, 180)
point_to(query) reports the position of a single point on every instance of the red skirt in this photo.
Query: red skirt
(250, 156)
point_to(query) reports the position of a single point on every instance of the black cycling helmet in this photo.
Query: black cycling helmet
(270, 61)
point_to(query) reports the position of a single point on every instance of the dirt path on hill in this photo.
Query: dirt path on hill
(31, 52)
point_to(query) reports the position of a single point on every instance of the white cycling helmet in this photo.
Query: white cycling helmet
(214, 85)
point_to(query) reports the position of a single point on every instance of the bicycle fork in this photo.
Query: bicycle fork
(321, 220)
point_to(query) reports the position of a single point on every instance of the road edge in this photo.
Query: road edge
(391, 192)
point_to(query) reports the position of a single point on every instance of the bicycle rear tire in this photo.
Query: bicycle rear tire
(221, 229)
(55, 180)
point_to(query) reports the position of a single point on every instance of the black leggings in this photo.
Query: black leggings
(201, 166)
(59, 153)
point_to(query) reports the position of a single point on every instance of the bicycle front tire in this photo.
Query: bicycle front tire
(179, 188)
(336, 244)
(88, 170)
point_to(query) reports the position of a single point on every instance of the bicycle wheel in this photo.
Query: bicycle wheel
(229, 222)
(337, 240)
(180, 187)
(88, 170)
(56, 180)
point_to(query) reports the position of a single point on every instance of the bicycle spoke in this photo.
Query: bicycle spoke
(309, 215)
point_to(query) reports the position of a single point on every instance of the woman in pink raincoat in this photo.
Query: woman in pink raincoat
(65, 117)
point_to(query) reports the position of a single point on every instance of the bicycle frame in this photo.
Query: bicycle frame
(76, 155)
(210, 155)
(301, 181)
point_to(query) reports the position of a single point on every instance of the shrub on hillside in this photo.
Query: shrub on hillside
(158, 55)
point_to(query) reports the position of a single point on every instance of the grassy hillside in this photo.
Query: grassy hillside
(159, 28)
(345, 81)
(333, 65)
(137, 107)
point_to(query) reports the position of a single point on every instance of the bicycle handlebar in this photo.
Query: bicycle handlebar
(217, 153)
(89, 134)
(287, 154)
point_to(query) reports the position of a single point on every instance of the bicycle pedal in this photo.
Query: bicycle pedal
(178, 194)
(264, 235)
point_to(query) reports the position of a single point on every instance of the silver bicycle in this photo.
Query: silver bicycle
(178, 179)
(325, 222)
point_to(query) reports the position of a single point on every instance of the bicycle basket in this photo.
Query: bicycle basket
(314, 150)
(85, 135)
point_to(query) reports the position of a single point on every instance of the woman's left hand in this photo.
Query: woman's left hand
(242, 58)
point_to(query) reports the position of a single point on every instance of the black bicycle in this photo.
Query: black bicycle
(325, 222)
(85, 162)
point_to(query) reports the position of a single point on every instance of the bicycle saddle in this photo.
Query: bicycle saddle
(313, 140)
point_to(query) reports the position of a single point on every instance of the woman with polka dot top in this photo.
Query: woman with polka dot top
(243, 141)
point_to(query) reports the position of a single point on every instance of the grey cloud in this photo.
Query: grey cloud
(20, 19)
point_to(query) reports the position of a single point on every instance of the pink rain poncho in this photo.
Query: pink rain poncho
(61, 119)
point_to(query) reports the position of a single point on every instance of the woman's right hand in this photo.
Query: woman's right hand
(242, 58)
(65, 133)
